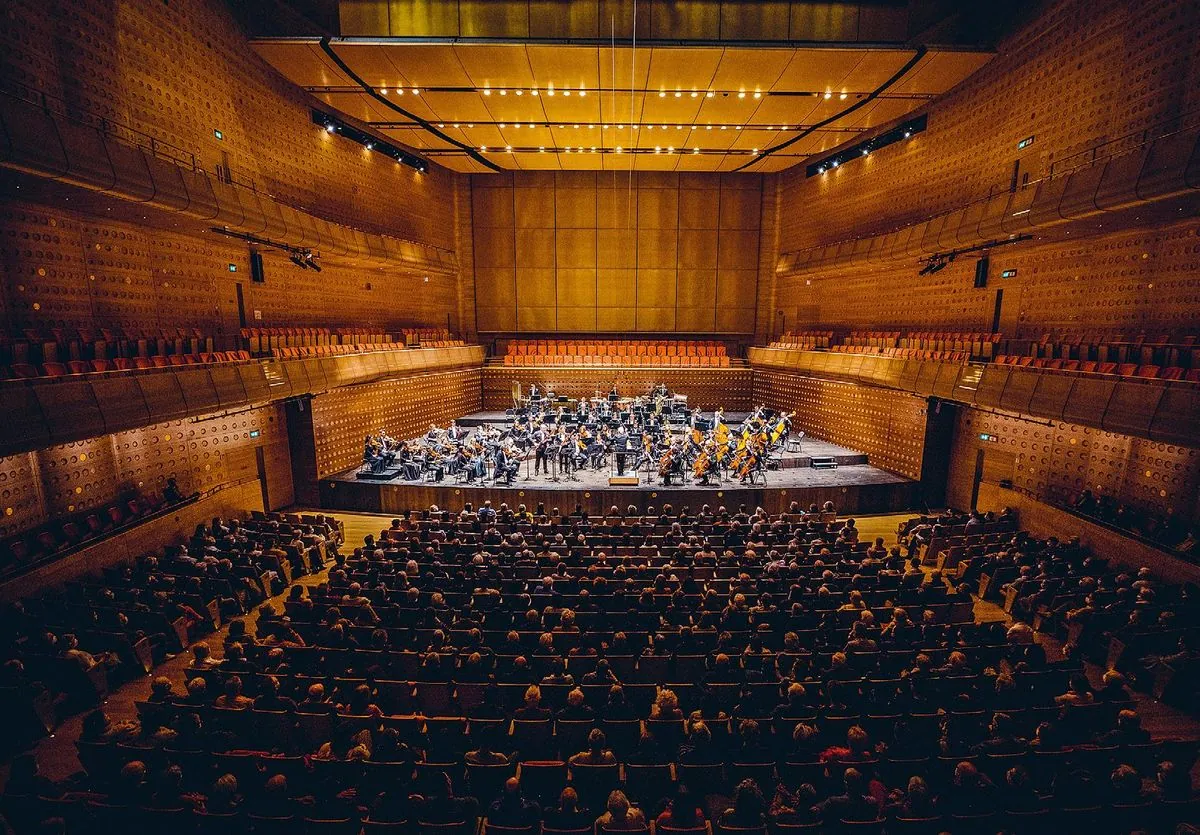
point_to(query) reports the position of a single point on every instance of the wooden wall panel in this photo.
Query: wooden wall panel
(589, 248)
(887, 425)
(1052, 461)
(202, 454)
(707, 388)
(1081, 72)
(180, 71)
(403, 408)
(1140, 279)
(64, 269)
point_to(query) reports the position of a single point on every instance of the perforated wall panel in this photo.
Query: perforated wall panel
(887, 425)
(403, 408)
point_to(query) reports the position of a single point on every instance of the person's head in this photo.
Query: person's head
(748, 799)
(316, 693)
(533, 696)
(1125, 780)
(796, 692)
(512, 788)
(853, 781)
(133, 773)
(1001, 724)
(276, 786)
(233, 687)
(596, 741)
(224, 788)
(966, 774)
(1016, 777)
(161, 687)
(201, 652)
(575, 697)
(917, 787)
(699, 736)
(617, 805)
(667, 700)
(568, 800)
(1129, 720)
(858, 741)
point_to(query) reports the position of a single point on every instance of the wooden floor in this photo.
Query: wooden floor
(57, 753)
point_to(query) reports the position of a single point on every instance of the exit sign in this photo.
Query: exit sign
(1025, 143)
(1008, 274)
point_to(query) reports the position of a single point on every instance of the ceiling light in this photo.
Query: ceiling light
(502, 125)
(742, 94)
(483, 149)
(470, 124)
(695, 150)
(541, 149)
(456, 124)
(834, 163)
(508, 148)
(487, 91)
(440, 125)
(662, 127)
(399, 91)
(504, 92)
(577, 127)
(754, 151)
(757, 94)
(383, 90)
(618, 149)
(566, 92)
(907, 134)
(679, 127)
(670, 149)
(722, 127)
(369, 145)
(620, 127)
(330, 128)
(591, 127)
(708, 127)
(549, 91)
(694, 94)
(866, 151)
(709, 94)
(532, 92)
(582, 92)
(658, 149)
(662, 94)
(842, 97)
(678, 94)
(593, 149)
(416, 91)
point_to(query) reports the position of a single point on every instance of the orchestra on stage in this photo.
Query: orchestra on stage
(653, 436)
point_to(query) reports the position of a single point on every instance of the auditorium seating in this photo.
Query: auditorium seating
(806, 340)
(604, 352)
(410, 666)
(1161, 356)
(64, 352)
(430, 337)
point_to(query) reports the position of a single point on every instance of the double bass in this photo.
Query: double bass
(666, 463)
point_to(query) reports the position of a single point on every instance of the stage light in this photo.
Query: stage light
(582, 92)
(907, 134)
(416, 91)
(330, 128)
(566, 92)
(694, 94)
(842, 97)
(709, 94)
(742, 94)
(662, 94)
(678, 94)
(533, 92)
(369, 145)
(487, 91)
(670, 149)
(504, 92)
(519, 92)
(508, 148)
(757, 94)
(483, 149)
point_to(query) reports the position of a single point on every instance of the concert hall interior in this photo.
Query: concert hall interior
(577, 416)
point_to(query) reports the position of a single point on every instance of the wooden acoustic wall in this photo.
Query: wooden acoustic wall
(888, 425)
(404, 408)
(706, 388)
(1053, 462)
(1140, 279)
(179, 72)
(1077, 74)
(585, 252)
(202, 454)
(62, 269)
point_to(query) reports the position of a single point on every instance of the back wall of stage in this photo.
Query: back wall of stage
(706, 388)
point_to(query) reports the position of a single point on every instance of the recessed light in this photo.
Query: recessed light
(487, 92)
(678, 94)
(842, 97)
(742, 94)
(694, 94)
(504, 92)
(566, 92)
(709, 94)
(757, 94)
(533, 92)
(483, 148)
(828, 95)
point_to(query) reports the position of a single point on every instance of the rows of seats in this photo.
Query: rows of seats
(25, 371)
(680, 353)
(805, 340)
(1121, 369)
(872, 339)
(64, 345)
(973, 343)
(425, 335)
(1165, 349)
(460, 671)
(334, 350)
(264, 340)
(28, 548)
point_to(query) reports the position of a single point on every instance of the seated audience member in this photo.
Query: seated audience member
(1129, 731)
(749, 806)
(435, 802)
(233, 698)
(682, 810)
(619, 815)
(597, 752)
(511, 808)
(854, 804)
(532, 710)
(567, 814)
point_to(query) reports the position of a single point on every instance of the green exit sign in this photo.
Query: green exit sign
(1025, 143)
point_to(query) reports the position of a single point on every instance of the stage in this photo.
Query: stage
(854, 486)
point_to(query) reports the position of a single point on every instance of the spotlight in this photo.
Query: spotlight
(330, 128)
(297, 260)
(308, 260)
(938, 267)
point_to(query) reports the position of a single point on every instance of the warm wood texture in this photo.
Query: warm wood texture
(1141, 279)
(202, 454)
(1080, 72)
(584, 252)
(179, 71)
(1052, 461)
(706, 388)
(63, 269)
(403, 408)
(887, 425)
(375, 497)
(1043, 520)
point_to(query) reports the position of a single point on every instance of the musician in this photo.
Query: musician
(620, 443)
(541, 441)
(456, 432)
(506, 465)
(432, 434)
(612, 393)
(695, 418)
(409, 466)
(533, 392)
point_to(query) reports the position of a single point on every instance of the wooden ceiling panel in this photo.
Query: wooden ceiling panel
(819, 70)
(750, 69)
(496, 66)
(453, 79)
(683, 69)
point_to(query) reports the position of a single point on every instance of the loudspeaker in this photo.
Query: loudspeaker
(981, 272)
(623, 481)
(256, 267)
